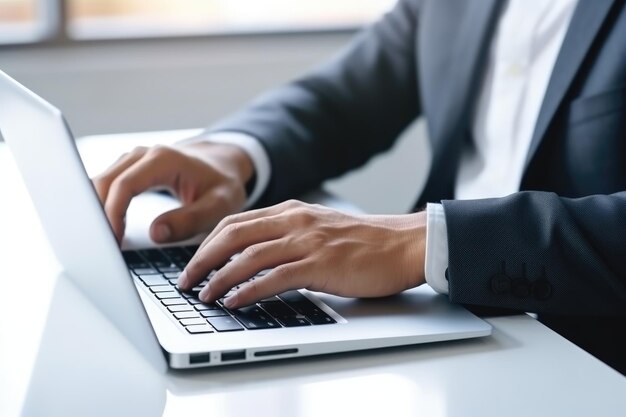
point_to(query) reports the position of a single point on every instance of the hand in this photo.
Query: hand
(208, 178)
(309, 246)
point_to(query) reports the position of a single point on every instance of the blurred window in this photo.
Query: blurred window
(102, 19)
(20, 21)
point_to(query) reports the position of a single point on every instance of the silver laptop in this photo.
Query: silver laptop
(136, 289)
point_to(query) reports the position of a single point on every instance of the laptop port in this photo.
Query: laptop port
(263, 353)
(235, 355)
(197, 358)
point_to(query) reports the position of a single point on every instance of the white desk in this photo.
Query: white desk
(60, 357)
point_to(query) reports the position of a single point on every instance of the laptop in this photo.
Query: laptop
(135, 287)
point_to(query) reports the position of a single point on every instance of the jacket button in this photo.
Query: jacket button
(520, 287)
(500, 284)
(542, 289)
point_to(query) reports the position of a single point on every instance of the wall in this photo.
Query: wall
(181, 83)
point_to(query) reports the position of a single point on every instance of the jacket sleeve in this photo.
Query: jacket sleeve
(339, 115)
(538, 252)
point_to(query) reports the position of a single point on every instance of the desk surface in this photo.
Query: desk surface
(60, 357)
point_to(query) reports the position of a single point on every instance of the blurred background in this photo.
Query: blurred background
(117, 66)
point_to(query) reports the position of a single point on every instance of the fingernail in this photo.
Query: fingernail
(231, 301)
(162, 232)
(204, 294)
(182, 280)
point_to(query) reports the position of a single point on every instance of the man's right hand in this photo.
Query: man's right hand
(208, 178)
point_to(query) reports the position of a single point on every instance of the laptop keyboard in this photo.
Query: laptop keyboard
(158, 270)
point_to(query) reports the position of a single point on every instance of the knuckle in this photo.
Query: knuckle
(292, 203)
(283, 273)
(121, 184)
(220, 226)
(304, 216)
(160, 151)
(252, 252)
(138, 151)
(230, 219)
(231, 231)
(222, 199)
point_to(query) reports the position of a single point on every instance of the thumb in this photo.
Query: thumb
(185, 222)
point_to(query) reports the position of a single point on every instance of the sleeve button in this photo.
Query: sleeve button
(500, 284)
(542, 290)
(520, 287)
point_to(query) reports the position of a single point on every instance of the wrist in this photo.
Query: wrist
(414, 253)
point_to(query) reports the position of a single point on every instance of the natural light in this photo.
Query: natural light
(101, 19)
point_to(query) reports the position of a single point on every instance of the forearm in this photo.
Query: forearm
(329, 121)
(535, 251)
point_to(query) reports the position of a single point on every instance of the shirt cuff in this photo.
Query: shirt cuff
(436, 261)
(254, 149)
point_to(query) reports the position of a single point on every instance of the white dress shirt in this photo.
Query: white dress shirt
(524, 49)
(526, 44)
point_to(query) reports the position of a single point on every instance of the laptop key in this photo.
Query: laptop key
(191, 249)
(178, 255)
(284, 314)
(225, 324)
(295, 321)
(278, 309)
(320, 318)
(161, 288)
(174, 301)
(169, 269)
(202, 307)
(253, 318)
(213, 313)
(293, 297)
(192, 322)
(180, 307)
(200, 328)
(155, 257)
(169, 294)
(171, 275)
(146, 271)
(134, 260)
(306, 307)
(186, 315)
(188, 294)
(150, 280)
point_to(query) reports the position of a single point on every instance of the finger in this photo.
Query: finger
(283, 278)
(248, 216)
(253, 259)
(103, 181)
(189, 220)
(232, 239)
(143, 175)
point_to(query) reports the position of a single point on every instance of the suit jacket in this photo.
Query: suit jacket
(558, 247)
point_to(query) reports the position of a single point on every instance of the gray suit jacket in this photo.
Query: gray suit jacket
(557, 248)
